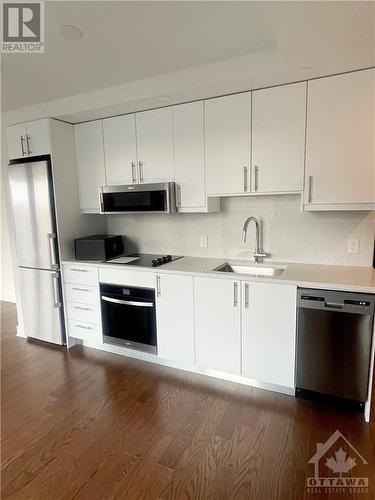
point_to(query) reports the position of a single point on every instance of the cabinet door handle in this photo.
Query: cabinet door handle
(141, 177)
(80, 289)
(79, 270)
(82, 308)
(310, 187)
(235, 294)
(178, 193)
(84, 327)
(22, 146)
(245, 179)
(28, 141)
(246, 295)
(133, 172)
(158, 288)
(256, 176)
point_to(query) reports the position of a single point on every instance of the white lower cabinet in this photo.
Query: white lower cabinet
(217, 324)
(269, 332)
(175, 318)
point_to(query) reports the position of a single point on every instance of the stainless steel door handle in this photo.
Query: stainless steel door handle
(141, 177)
(79, 270)
(235, 294)
(245, 179)
(246, 296)
(82, 308)
(56, 292)
(127, 302)
(28, 140)
(52, 250)
(256, 175)
(310, 186)
(158, 289)
(133, 172)
(178, 193)
(84, 327)
(80, 289)
(22, 146)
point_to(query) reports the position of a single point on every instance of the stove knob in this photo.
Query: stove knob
(169, 258)
(159, 261)
(154, 262)
(165, 259)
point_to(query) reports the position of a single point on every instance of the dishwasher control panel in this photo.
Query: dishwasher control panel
(330, 300)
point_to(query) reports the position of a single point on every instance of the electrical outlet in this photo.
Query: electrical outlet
(204, 241)
(353, 245)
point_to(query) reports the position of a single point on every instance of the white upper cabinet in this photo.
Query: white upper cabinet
(16, 138)
(188, 128)
(278, 138)
(227, 144)
(29, 139)
(217, 324)
(155, 145)
(90, 164)
(120, 147)
(340, 153)
(188, 131)
(175, 318)
(269, 332)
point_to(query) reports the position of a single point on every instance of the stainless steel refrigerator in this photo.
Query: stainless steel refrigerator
(33, 207)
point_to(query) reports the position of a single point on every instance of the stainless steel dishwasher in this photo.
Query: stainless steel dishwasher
(334, 335)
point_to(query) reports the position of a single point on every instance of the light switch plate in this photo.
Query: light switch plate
(204, 241)
(353, 245)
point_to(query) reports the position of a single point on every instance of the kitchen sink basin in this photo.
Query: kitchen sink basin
(254, 270)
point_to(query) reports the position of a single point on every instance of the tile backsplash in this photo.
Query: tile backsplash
(288, 234)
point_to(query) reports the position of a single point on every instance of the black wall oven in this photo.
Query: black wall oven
(128, 317)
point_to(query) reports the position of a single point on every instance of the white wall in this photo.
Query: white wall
(289, 234)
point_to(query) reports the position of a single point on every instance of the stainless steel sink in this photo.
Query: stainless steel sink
(254, 270)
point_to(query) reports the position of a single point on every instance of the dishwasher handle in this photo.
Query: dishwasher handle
(333, 305)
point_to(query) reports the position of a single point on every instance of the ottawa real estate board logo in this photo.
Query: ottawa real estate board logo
(23, 28)
(338, 468)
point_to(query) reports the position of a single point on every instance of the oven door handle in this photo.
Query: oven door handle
(128, 302)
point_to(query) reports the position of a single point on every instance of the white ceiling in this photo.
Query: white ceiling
(130, 41)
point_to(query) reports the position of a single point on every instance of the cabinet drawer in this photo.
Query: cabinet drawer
(85, 331)
(81, 275)
(84, 294)
(83, 312)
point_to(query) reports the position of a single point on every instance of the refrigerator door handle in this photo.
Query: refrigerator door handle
(52, 250)
(56, 292)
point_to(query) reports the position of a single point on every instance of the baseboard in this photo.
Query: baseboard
(8, 297)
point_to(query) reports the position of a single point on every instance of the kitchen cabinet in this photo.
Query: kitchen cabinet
(278, 138)
(227, 144)
(217, 324)
(120, 148)
(90, 164)
(340, 155)
(188, 133)
(29, 139)
(155, 145)
(175, 318)
(269, 332)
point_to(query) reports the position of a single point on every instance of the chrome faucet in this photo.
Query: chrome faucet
(259, 253)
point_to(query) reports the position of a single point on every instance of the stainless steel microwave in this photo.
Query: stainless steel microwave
(158, 198)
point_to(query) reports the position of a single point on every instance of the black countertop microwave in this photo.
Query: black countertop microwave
(138, 198)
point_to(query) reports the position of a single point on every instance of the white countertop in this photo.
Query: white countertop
(355, 279)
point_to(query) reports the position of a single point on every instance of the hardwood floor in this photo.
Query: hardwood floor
(85, 424)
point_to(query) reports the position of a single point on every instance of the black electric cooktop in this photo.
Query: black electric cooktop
(144, 259)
